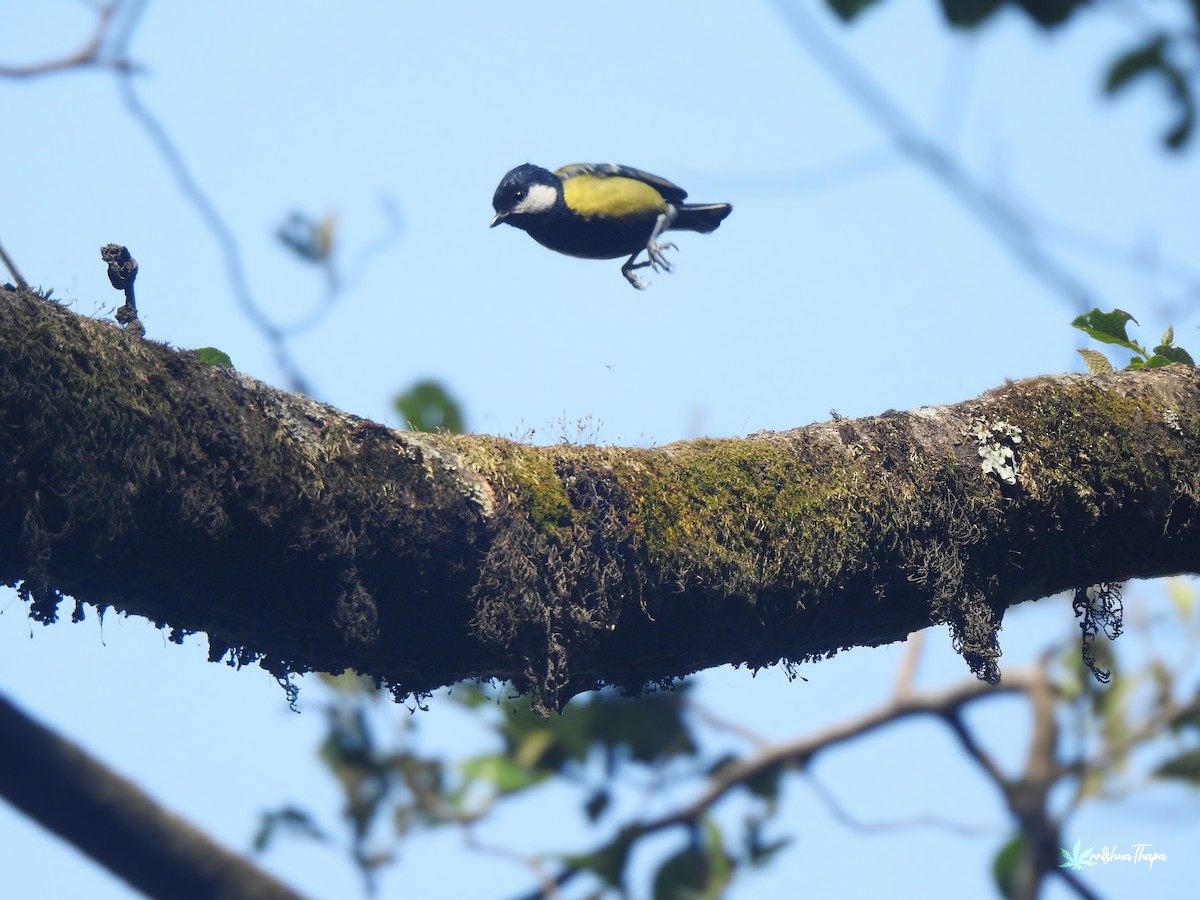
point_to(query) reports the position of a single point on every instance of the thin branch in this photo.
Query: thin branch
(1146, 263)
(839, 812)
(994, 213)
(1116, 752)
(801, 751)
(1075, 884)
(907, 673)
(12, 269)
(549, 885)
(222, 234)
(91, 55)
(720, 723)
(973, 750)
(111, 820)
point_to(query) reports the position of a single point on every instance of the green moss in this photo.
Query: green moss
(1068, 422)
(747, 514)
(526, 478)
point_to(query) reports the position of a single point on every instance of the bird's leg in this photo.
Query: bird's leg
(655, 250)
(654, 253)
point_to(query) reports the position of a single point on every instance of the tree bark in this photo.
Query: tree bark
(136, 476)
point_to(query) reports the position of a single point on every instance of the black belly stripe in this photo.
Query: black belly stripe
(595, 237)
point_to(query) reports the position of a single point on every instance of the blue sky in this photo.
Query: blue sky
(846, 278)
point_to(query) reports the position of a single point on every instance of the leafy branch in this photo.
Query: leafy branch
(1109, 328)
(1085, 737)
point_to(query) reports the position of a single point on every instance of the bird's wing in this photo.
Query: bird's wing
(671, 192)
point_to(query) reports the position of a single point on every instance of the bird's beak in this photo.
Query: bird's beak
(500, 217)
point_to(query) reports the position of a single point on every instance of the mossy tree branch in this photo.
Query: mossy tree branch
(136, 476)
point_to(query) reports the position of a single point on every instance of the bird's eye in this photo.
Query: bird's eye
(520, 195)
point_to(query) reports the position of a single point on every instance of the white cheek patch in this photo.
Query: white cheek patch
(540, 198)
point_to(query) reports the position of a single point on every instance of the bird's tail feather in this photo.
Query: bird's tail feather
(702, 217)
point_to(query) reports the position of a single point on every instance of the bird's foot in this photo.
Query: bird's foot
(627, 271)
(657, 260)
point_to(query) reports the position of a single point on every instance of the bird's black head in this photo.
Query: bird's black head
(526, 191)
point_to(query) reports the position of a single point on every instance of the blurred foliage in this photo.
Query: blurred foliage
(646, 767)
(970, 13)
(312, 240)
(593, 747)
(1161, 54)
(427, 406)
(1161, 57)
(1109, 328)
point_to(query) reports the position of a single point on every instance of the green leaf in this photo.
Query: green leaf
(1134, 63)
(847, 10)
(1151, 58)
(1049, 13)
(1185, 767)
(969, 13)
(289, 819)
(682, 876)
(1181, 591)
(720, 866)
(1108, 328)
(1004, 866)
(597, 804)
(608, 863)
(502, 772)
(760, 852)
(214, 357)
(1173, 354)
(427, 406)
(765, 784)
(726, 759)
(700, 871)
(1097, 363)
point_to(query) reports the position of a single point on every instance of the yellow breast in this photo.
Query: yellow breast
(613, 197)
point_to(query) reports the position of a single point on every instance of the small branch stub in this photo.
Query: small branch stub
(122, 270)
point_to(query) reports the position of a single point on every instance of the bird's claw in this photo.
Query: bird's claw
(656, 258)
(627, 271)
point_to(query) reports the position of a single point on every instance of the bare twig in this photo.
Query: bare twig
(994, 213)
(839, 812)
(907, 673)
(208, 213)
(122, 271)
(549, 886)
(91, 55)
(12, 269)
(720, 723)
